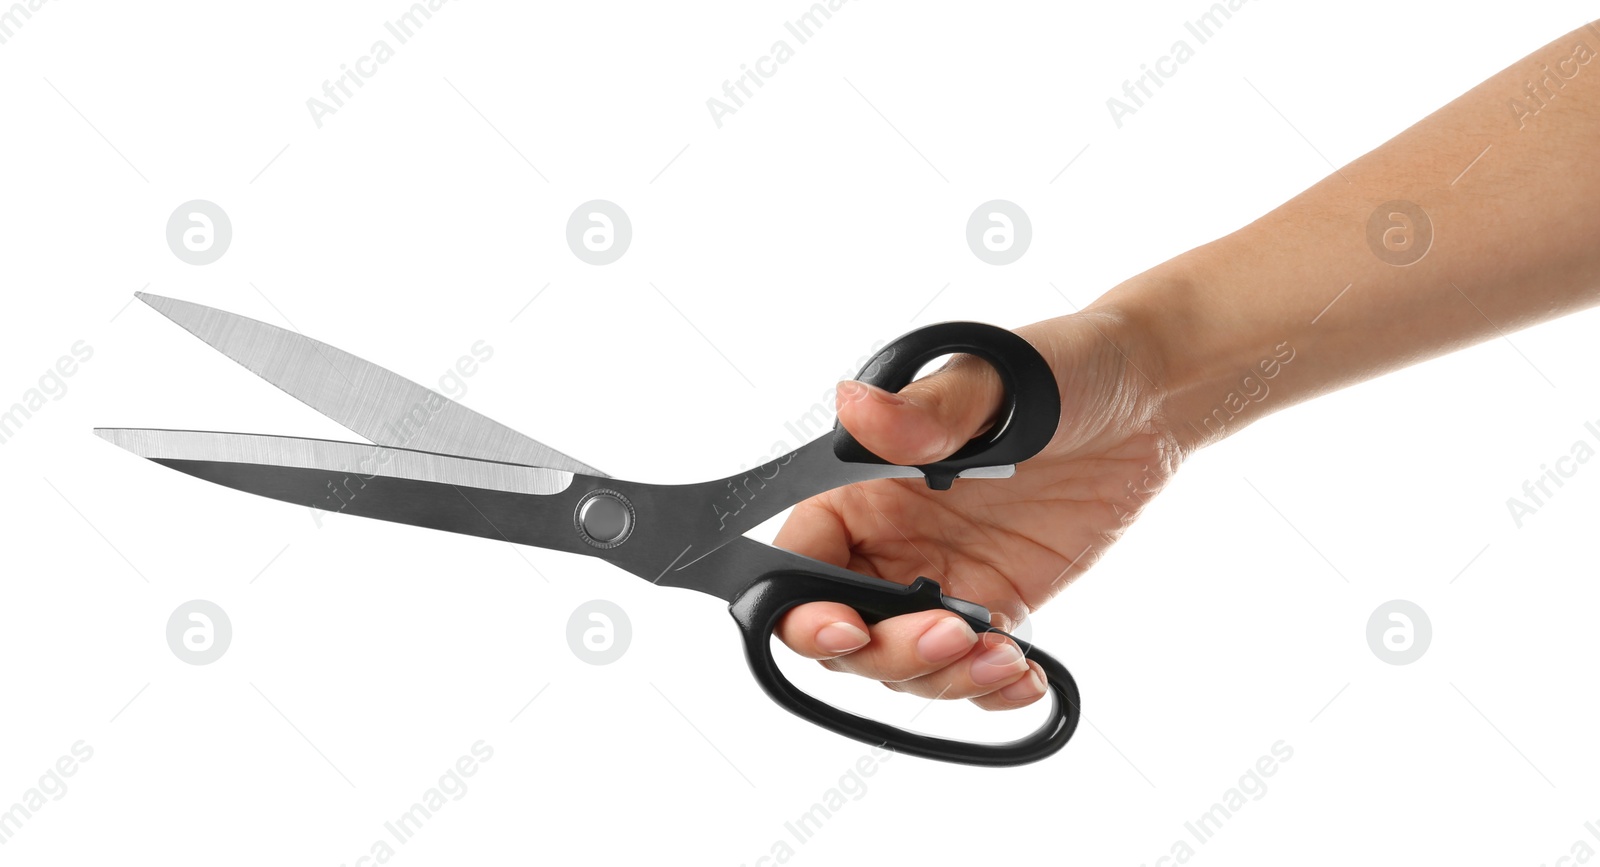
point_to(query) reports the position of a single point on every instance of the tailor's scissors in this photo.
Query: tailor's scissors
(434, 463)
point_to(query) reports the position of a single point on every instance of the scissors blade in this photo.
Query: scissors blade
(340, 460)
(364, 398)
(459, 495)
(372, 401)
(500, 501)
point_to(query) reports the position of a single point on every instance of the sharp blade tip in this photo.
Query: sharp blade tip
(118, 437)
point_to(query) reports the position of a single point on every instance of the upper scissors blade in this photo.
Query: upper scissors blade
(374, 402)
(321, 376)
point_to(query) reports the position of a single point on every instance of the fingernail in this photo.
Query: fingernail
(841, 637)
(1026, 688)
(951, 636)
(998, 664)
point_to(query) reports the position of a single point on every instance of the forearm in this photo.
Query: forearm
(1321, 293)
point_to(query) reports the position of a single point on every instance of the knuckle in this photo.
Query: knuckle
(834, 663)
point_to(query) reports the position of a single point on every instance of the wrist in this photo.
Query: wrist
(1215, 369)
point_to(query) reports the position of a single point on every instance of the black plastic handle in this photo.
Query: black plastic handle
(763, 603)
(1029, 412)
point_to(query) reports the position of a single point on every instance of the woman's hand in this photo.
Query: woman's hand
(1173, 359)
(1008, 544)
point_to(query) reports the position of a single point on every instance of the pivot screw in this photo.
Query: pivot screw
(604, 518)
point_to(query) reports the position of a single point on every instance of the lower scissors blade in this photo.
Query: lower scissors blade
(458, 495)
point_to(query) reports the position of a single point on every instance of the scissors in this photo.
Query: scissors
(434, 463)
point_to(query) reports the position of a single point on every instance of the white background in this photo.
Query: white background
(367, 657)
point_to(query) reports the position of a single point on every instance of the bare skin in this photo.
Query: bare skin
(1175, 358)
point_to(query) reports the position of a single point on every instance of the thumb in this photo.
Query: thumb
(927, 420)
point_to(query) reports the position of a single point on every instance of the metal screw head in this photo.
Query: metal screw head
(604, 518)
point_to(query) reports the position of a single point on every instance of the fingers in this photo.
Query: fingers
(928, 419)
(819, 630)
(933, 654)
(815, 531)
(993, 673)
(823, 630)
(909, 646)
(1019, 693)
